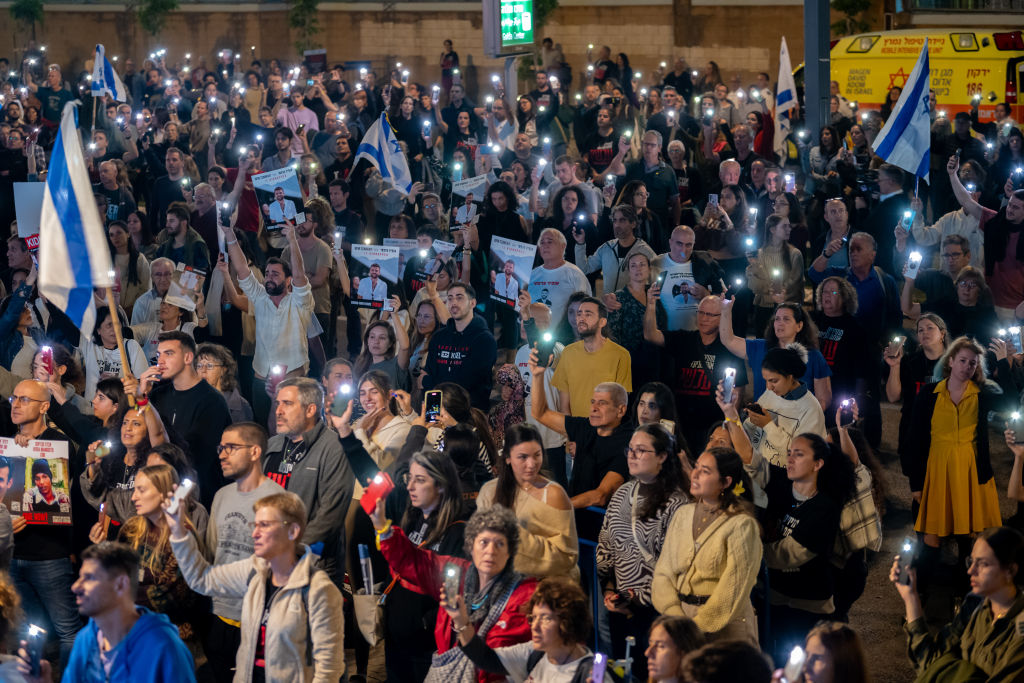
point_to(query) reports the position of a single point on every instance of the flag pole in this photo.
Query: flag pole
(93, 113)
(115, 320)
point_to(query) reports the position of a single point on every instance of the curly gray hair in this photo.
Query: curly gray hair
(498, 519)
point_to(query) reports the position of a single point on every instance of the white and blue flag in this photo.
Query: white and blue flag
(105, 80)
(380, 148)
(73, 252)
(905, 141)
(785, 100)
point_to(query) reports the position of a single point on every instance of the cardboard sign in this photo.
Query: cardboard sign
(37, 481)
(28, 208)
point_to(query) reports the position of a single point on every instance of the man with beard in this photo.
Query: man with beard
(592, 360)
(282, 308)
(183, 243)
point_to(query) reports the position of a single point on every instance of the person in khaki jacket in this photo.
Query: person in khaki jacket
(292, 624)
(712, 552)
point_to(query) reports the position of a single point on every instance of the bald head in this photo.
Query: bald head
(680, 244)
(30, 401)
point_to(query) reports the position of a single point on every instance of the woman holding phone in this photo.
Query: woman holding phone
(487, 583)
(633, 533)
(560, 626)
(983, 641)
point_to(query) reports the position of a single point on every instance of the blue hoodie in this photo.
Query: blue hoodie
(151, 652)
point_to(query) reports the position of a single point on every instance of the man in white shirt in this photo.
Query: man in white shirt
(281, 209)
(689, 276)
(957, 222)
(555, 280)
(147, 307)
(283, 307)
(465, 213)
(373, 288)
(506, 285)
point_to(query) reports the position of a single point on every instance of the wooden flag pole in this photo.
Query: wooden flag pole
(115, 320)
(94, 114)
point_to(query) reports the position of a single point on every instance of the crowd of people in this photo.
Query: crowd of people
(667, 452)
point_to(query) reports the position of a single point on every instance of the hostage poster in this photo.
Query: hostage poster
(35, 481)
(374, 271)
(512, 264)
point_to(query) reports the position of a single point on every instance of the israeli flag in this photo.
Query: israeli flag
(905, 141)
(380, 148)
(73, 252)
(105, 80)
(785, 100)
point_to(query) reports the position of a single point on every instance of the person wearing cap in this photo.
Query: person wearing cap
(178, 311)
(42, 497)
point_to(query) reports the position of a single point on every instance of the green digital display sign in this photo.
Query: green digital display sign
(516, 23)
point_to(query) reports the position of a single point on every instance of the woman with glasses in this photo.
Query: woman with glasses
(548, 545)
(712, 552)
(633, 533)
(217, 366)
(291, 611)
(970, 313)
(560, 624)
(951, 471)
(983, 642)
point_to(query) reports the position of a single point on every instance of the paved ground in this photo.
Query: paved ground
(878, 615)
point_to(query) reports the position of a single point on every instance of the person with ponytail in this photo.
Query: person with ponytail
(633, 533)
(785, 409)
(548, 544)
(801, 524)
(712, 552)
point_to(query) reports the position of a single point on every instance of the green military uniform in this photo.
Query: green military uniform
(973, 647)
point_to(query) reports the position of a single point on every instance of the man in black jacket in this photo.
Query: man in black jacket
(886, 215)
(464, 350)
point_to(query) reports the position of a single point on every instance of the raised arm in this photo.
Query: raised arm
(736, 345)
(971, 207)
(235, 254)
(539, 405)
(910, 309)
(298, 273)
(651, 331)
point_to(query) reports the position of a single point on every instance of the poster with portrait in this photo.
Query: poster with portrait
(186, 284)
(375, 275)
(35, 481)
(407, 249)
(467, 197)
(512, 265)
(280, 197)
(438, 253)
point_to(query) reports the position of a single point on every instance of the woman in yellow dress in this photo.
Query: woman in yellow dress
(952, 475)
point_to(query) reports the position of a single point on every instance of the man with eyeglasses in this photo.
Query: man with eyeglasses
(228, 534)
(147, 307)
(938, 285)
(41, 568)
(957, 222)
(1004, 245)
(700, 361)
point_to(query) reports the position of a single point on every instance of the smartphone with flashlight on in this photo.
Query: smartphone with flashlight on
(545, 349)
(1014, 425)
(452, 582)
(380, 487)
(913, 265)
(728, 384)
(895, 346)
(846, 412)
(340, 401)
(433, 405)
(908, 549)
(794, 665)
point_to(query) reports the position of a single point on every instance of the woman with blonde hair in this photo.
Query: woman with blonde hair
(951, 470)
(162, 588)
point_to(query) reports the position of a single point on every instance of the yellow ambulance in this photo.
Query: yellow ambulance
(965, 63)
